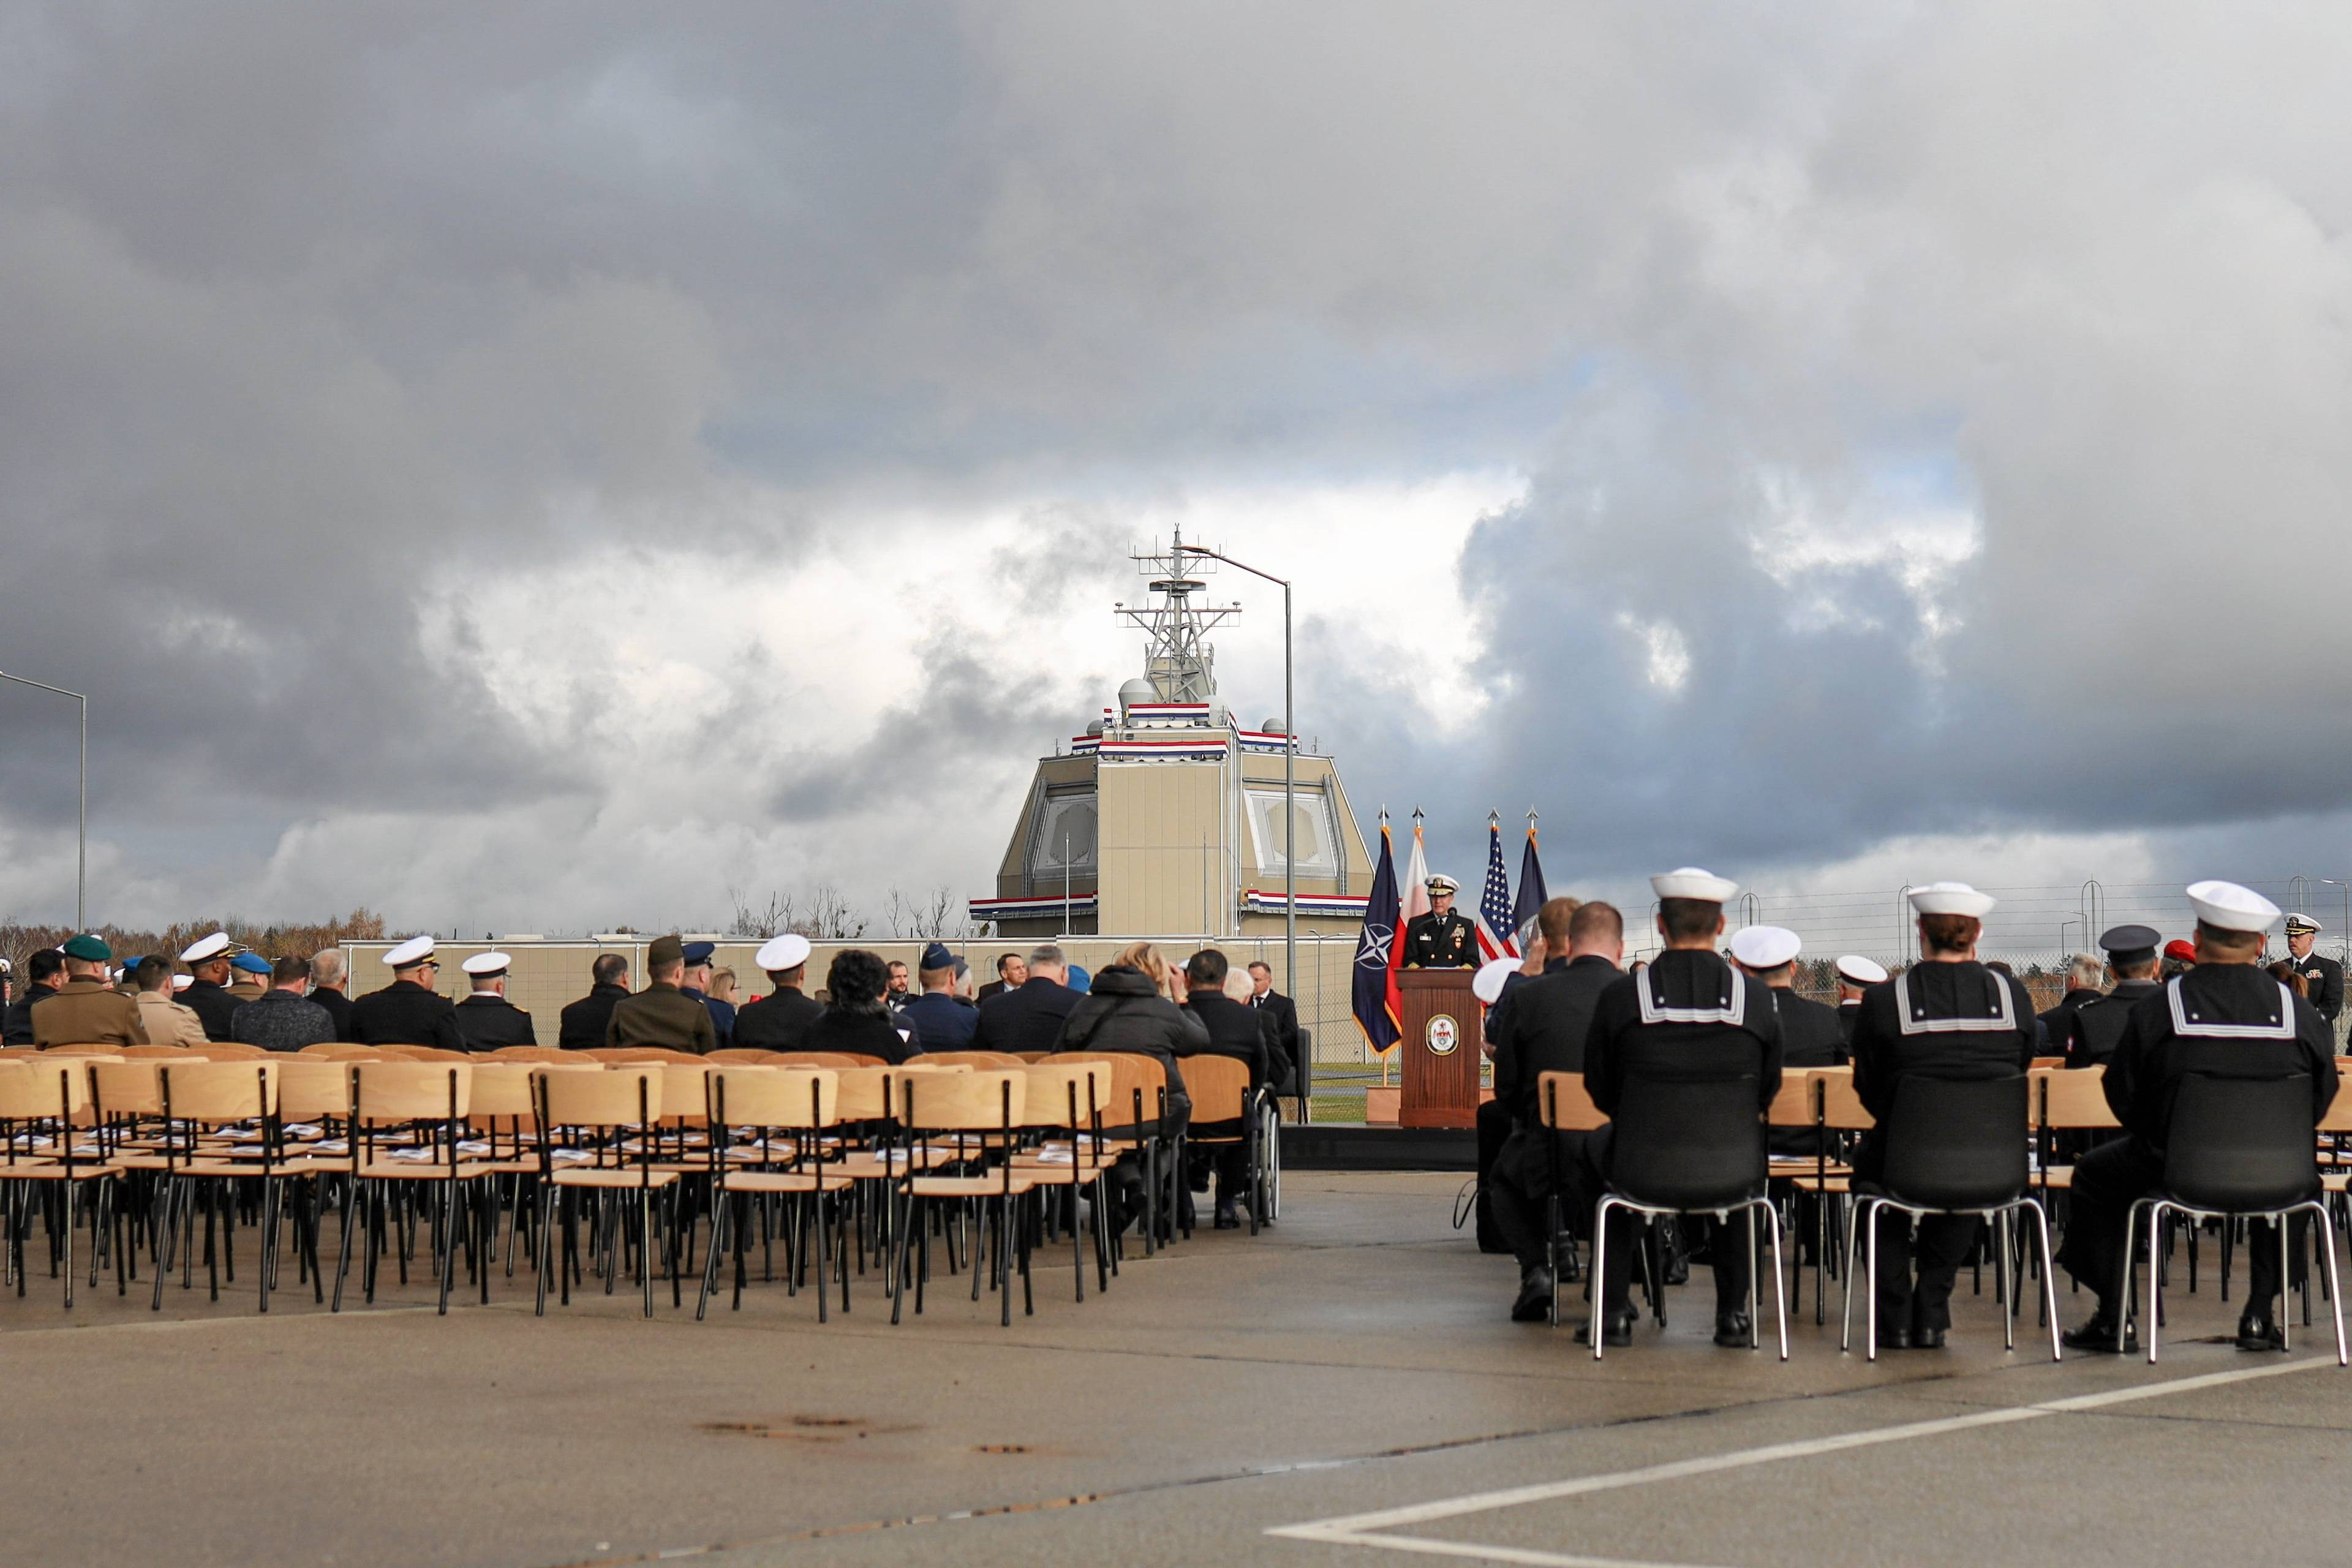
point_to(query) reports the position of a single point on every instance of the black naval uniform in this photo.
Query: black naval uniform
(2324, 976)
(487, 1022)
(2171, 1034)
(776, 1023)
(1739, 1034)
(1938, 1020)
(1440, 942)
(211, 1004)
(2099, 1026)
(403, 1013)
(1847, 1011)
(1543, 1030)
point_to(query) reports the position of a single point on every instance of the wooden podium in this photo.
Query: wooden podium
(1441, 1048)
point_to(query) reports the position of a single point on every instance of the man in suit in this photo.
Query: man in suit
(486, 1019)
(207, 997)
(281, 1019)
(1263, 996)
(1687, 1014)
(943, 1021)
(409, 1012)
(1948, 1016)
(330, 978)
(1011, 974)
(1541, 1028)
(1245, 1034)
(777, 1021)
(1028, 1017)
(663, 1015)
(581, 1025)
(45, 974)
(2324, 976)
(2224, 1018)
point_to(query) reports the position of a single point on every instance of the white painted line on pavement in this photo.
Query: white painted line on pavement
(1363, 1529)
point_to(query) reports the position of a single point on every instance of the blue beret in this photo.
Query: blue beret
(251, 963)
(936, 957)
(700, 952)
(1079, 979)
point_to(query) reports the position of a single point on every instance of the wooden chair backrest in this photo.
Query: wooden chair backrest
(1562, 1104)
(338, 1051)
(800, 1097)
(648, 1054)
(1130, 1073)
(1792, 1102)
(39, 1089)
(2338, 1116)
(501, 1088)
(233, 1050)
(972, 1058)
(529, 1053)
(426, 1054)
(750, 1056)
(2076, 1099)
(409, 1091)
(608, 1099)
(161, 1054)
(1219, 1087)
(216, 1092)
(1065, 1093)
(682, 1090)
(85, 1049)
(2049, 1062)
(1841, 1108)
(961, 1101)
(863, 1094)
(127, 1089)
(309, 1087)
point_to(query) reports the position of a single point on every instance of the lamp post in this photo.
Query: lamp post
(81, 831)
(1289, 775)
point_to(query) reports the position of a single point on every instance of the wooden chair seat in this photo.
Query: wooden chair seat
(982, 1186)
(47, 1171)
(1811, 1184)
(786, 1181)
(418, 1171)
(2335, 1180)
(2061, 1177)
(619, 1180)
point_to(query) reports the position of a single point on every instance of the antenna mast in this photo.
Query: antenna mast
(1177, 658)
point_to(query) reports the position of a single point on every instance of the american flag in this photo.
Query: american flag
(1496, 937)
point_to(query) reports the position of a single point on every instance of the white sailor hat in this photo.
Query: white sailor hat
(779, 954)
(2225, 906)
(1952, 899)
(1765, 947)
(1487, 983)
(1856, 970)
(409, 953)
(1690, 883)
(1443, 884)
(2301, 924)
(205, 948)
(483, 965)
(181, 981)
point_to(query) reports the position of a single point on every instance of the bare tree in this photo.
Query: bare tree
(830, 918)
(781, 914)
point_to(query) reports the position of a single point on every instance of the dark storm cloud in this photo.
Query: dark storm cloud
(314, 315)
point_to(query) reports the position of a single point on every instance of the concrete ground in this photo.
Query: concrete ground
(1344, 1389)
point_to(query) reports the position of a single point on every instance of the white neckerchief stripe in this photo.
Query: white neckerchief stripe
(1734, 1011)
(1907, 1015)
(2181, 1025)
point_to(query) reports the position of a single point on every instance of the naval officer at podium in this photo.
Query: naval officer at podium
(1440, 939)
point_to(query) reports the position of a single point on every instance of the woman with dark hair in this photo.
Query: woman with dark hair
(856, 1019)
(2288, 975)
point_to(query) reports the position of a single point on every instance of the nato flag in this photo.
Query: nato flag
(1373, 989)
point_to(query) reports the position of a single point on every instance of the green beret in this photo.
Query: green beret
(665, 951)
(89, 949)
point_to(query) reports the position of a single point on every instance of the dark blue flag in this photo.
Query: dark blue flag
(1531, 890)
(1374, 991)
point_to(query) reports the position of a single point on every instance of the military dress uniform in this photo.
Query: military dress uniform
(88, 1013)
(405, 1013)
(213, 1006)
(664, 1016)
(1440, 942)
(489, 1022)
(722, 1014)
(2323, 978)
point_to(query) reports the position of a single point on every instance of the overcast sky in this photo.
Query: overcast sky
(546, 465)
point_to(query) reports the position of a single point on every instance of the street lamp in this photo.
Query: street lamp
(1289, 779)
(82, 835)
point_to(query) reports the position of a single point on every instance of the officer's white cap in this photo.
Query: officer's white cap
(487, 963)
(2225, 906)
(2298, 924)
(779, 954)
(205, 947)
(1765, 947)
(1952, 899)
(1856, 970)
(1690, 883)
(415, 950)
(1443, 885)
(181, 981)
(1487, 983)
